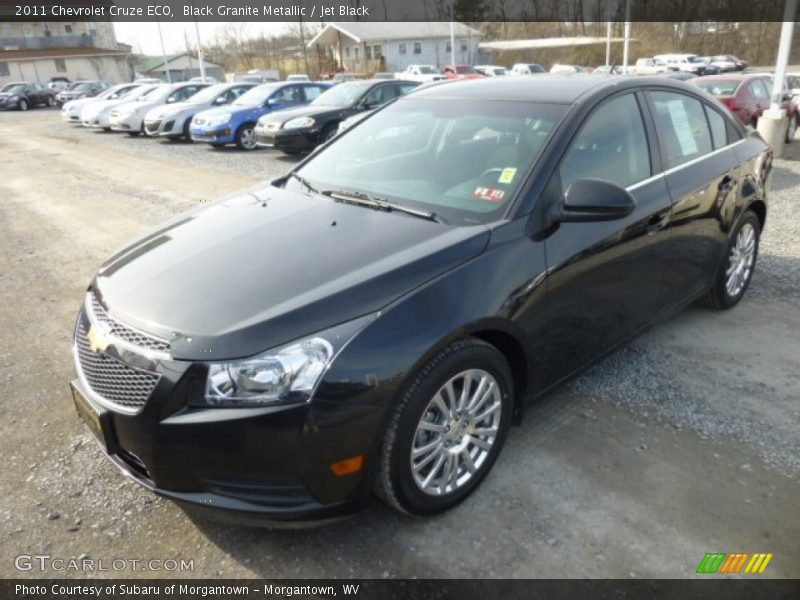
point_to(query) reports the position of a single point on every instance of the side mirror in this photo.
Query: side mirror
(273, 102)
(594, 200)
(221, 100)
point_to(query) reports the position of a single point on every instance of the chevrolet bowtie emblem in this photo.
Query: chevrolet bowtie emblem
(98, 341)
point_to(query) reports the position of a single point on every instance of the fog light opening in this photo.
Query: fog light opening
(348, 466)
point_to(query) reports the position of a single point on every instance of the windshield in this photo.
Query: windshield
(81, 87)
(463, 70)
(344, 94)
(462, 159)
(14, 88)
(499, 71)
(719, 88)
(208, 94)
(154, 94)
(425, 70)
(257, 96)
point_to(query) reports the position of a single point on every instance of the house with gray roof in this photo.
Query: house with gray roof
(369, 47)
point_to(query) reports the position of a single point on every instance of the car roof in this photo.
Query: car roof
(545, 88)
(731, 77)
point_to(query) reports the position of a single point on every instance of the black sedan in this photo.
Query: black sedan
(301, 129)
(378, 318)
(22, 96)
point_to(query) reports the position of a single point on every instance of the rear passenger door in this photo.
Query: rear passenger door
(701, 173)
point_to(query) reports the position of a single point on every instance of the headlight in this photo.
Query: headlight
(299, 123)
(218, 120)
(286, 375)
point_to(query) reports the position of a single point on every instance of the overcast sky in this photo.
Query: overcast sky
(144, 36)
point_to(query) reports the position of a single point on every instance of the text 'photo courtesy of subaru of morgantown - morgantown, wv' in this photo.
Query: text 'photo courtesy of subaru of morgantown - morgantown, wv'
(373, 322)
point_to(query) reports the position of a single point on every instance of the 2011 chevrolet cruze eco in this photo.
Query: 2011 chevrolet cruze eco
(376, 319)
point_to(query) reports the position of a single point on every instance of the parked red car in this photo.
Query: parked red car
(461, 72)
(747, 97)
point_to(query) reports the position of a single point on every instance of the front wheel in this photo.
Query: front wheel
(51, 101)
(246, 137)
(736, 270)
(23, 104)
(448, 429)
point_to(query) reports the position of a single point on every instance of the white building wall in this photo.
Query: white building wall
(107, 68)
(433, 51)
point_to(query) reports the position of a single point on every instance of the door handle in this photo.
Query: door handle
(727, 184)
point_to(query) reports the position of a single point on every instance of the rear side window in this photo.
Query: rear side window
(719, 132)
(682, 127)
(758, 90)
(312, 91)
(611, 145)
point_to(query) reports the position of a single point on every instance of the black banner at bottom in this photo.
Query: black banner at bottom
(389, 589)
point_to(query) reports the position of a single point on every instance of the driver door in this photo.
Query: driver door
(604, 276)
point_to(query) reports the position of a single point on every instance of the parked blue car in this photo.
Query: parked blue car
(235, 123)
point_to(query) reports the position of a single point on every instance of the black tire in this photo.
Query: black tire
(718, 297)
(243, 140)
(51, 101)
(217, 146)
(186, 135)
(328, 133)
(791, 128)
(395, 483)
(22, 104)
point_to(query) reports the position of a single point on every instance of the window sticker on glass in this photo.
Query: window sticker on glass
(507, 176)
(487, 193)
(683, 130)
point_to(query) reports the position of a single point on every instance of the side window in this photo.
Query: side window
(611, 145)
(312, 91)
(380, 95)
(290, 93)
(682, 127)
(405, 88)
(758, 90)
(719, 133)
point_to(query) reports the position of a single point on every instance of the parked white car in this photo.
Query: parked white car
(491, 70)
(527, 69)
(71, 111)
(129, 117)
(686, 63)
(298, 77)
(98, 114)
(421, 73)
(650, 66)
(172, 120)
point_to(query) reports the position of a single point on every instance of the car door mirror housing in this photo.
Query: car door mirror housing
(590, 199)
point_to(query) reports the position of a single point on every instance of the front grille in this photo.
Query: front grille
(125, 333)
(112, 380)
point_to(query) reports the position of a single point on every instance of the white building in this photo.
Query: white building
(37, 51)
(181, 67)
(369, 47)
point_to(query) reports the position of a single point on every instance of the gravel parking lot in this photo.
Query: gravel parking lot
(684, 443)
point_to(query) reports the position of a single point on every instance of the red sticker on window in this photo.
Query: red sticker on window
(490, 194)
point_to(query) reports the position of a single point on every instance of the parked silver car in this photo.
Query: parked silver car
(129, 117)
(172, 120)
(98, 114)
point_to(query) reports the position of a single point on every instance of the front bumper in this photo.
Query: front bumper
(129, 123)
(289, 140)
(162, 127)
(247, 465)
(217, 135)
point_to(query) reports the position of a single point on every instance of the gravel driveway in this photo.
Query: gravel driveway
(684, 443)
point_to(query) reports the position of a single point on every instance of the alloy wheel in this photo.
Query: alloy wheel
(23, 105)
(740, 260)
(456, 432)
(248, 138)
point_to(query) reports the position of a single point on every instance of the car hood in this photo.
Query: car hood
(168, 110)
(4, 95)
(243, 112)
(269, 266)
(81, 102)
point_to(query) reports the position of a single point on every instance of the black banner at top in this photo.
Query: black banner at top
(394, 10)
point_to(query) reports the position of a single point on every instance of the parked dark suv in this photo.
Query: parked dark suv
(22, 96)
(377, 318)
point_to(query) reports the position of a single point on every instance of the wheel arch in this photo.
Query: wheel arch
(759, 207)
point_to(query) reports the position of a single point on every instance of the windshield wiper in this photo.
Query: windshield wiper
(305, 182)
(370, 201)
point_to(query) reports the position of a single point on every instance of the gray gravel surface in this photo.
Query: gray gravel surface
(683, 443)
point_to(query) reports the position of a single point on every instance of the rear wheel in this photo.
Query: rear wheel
(246, 137)
(791, 129)
(51, 102)
(448, 429)
(736, 270)
(328, 133)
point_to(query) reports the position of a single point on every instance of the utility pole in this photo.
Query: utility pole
(608, 43)
(163, 52)
(199, 51)
(452, 38)
(627, 43)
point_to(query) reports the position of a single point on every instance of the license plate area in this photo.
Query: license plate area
(97, 421)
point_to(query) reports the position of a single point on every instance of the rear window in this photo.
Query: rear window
(682, 127)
